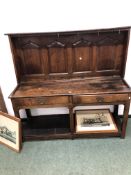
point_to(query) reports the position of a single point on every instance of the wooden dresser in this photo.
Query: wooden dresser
(69, 69)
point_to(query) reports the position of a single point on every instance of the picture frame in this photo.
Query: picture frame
(10, 131)
(95, 121)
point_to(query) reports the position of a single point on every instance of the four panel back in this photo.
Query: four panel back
(40, 56)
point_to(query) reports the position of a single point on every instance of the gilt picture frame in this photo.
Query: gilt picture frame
(10, 131)
(95, 121)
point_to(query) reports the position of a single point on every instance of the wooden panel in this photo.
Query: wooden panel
(32, 61)
(57, 60)
(20, 61)
(29, 102)
(81, 99)
(44, 60)
(61, 55)
(119, 57)
(82, 59)
(69, 60)
(105, 57)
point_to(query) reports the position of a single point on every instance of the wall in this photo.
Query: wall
(59, 15)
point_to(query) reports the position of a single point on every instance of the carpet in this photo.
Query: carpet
(70, 157)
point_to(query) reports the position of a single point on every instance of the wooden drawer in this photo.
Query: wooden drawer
(38, 101)
(81, 99)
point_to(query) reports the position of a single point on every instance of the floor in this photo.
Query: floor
(69, 157)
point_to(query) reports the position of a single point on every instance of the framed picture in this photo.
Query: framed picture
(10, 131)
(100, 120)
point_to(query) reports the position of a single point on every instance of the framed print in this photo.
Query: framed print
(100, 120)
(10, 131)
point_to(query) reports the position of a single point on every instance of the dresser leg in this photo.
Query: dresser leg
(15, 108)
(16, 111)
(116, 110)
(125, 118)
(28, 113)
(71, 119)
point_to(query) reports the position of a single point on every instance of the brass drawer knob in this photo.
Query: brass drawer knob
(100, 99)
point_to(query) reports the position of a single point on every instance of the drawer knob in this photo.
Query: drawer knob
(100, 99)
(41, 102)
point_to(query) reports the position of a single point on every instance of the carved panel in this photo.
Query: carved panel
(20, 61)
(32, 61)
(108, 40)
(56, 44)
(30, 44)
(119, 57)
(57, 60)
(105, 57)
(82, 59)
(70, 54)
(82, 42)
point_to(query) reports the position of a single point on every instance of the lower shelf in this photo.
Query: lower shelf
(46, 127)
(58, 127)
(41, 134)
(96, 135)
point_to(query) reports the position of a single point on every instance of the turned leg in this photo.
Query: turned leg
(125, 118)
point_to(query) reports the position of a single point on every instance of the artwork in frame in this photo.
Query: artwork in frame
(95, 121)
(10, 131)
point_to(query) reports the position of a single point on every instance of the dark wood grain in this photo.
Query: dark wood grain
(70, 54)
(97, 85)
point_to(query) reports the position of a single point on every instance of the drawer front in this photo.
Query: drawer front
(38, 101)
(81, 99)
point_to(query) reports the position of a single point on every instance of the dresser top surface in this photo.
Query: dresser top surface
(85, 86)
